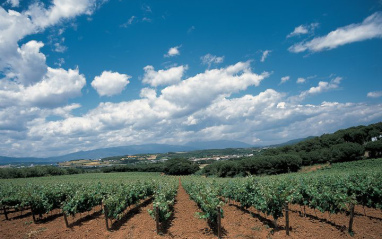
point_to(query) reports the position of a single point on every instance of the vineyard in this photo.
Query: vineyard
(341, 202)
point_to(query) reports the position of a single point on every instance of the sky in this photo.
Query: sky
(87, 74)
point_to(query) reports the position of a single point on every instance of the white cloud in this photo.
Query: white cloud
(59, 11)
(55, 88)
(60, 62)
(265, 55)
(30, 90)
(110, 83)
(209, 59)
(200, 107)
(370, 28)
(200, 90)
(323, 86)
(284, 79)
(13, 3)
(204, 106)
(300, 80)
(148, 93)
(173, 51)
(231, 110)
(14, 26)
(129, 22)
(281, 105)
(59, 48)
(27, 66)
(131, 19)
(134, 19)
(163, 77)
(298, 31)
(146, 19)
(303, 29)
(374, 94)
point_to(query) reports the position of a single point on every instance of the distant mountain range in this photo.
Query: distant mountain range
(136, 149)
(292, 142)
(219, 144)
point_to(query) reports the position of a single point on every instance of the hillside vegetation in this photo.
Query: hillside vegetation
(344, 145)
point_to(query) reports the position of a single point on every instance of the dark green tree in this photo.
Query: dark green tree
(178, 166)
(347, 152)
(374, 148)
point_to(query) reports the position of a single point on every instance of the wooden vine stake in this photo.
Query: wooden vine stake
(287, 218)
(305, 211)
(106, 219)
(33, 216)
(65, 218)
(157, 219)
(219, 223)
(351, 218)
(5, 213)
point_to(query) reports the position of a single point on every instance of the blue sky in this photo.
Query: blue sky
(85, 74)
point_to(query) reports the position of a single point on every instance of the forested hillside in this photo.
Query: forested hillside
(344, 145)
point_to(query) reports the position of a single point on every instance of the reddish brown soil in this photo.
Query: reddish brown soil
(314, 225)
(237, 223)
(307, 169)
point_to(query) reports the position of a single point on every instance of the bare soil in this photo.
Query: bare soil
(237, 223)
(312, 168)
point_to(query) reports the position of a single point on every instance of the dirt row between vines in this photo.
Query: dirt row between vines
(237, 223)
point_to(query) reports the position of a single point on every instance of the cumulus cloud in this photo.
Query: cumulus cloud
(323, 86)
(204, 106)
(159, 117)
(173, 51)
(303, 29)
(55, 88)
(60, 10)
(17, 61)
(60, 62)
(300, 80)
(13, 3)
(59, 46)
(209, 59)
(170, 116)
(110, 83)
(267, 117)
(148, 93)
(281, 105)
(163, 77)
(374, 94)
(265, 55)
(370, 28)
(200, 90)
(284, 79)
(299, 30)
(27, 66)
(30, 91)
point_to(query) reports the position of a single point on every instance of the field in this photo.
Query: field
(320, 204)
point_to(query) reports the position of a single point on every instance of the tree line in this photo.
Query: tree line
(37, 171)
(342, 146)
